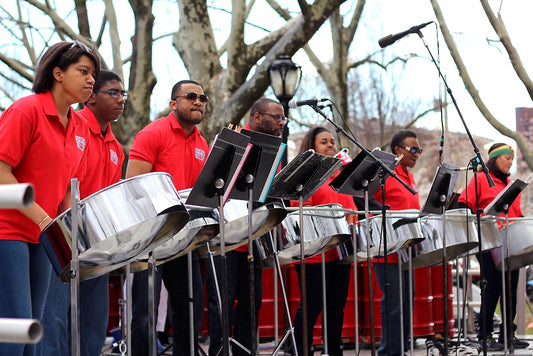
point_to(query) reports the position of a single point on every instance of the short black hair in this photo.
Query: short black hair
(260, 105)
(105, 76)
(398, 138)
(178, 85)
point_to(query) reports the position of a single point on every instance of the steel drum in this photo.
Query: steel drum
(403, 229)
(520, 241)
(490, 234)
(345, 249)
(116, 224)
(201, 227)
(324, 227)
(264, 218)
(461, 237)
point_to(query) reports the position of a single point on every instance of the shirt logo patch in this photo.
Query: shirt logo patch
(199, 154)
(80, 142)
(113, 155)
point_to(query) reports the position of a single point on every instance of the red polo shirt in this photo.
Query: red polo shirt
(104, 157)
(487, 194)
(327, 195)
(35, 142)
(398, 197)
(163, 144)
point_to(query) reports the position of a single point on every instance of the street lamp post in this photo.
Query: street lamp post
(285, 76)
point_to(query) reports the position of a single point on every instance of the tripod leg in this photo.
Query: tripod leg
(286, 305)
(324, 306)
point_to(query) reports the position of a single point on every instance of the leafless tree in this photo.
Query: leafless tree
(499, 28)
(233, 74)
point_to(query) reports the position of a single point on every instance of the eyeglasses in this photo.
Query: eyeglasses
(277, 117)
(193, 96)
(412, 150)
(114, 93)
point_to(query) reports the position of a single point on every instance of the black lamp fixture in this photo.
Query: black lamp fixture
(285, 76)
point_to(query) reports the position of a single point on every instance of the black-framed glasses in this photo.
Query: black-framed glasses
(114, 93)
(277, 117)
(412, 150)
(193, 96)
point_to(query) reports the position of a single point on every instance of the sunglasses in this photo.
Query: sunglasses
(277, 117)
(412, 150)
(114, 93)
(193, 96)
(80, 45)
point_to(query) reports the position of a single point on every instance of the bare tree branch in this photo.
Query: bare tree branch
(83, 17)
(115, 38)
(501, 31)
(470, 87)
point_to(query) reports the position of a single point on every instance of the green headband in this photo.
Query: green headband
(502, 150)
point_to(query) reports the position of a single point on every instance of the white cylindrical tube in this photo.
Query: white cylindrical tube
(14, 196)
(20, 331)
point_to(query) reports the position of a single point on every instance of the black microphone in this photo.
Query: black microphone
(311, 102)
(390, 39)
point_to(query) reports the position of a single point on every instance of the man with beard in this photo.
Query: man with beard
(266, 116)
(174, 145)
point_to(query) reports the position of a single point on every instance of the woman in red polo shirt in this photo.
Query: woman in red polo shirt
(337, 275)
(42, 142)
(499, 164)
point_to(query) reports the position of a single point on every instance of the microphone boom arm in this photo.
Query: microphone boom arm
(449, 91)
(363, 148)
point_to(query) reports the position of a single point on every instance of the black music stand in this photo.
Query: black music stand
(212, 189)
(500, 205)
(356, 179)
(252, 184)
(439, 195)
(299, 180)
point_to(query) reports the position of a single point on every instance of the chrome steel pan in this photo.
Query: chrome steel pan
(264, 218)
(520, 235)
(402, 227)
(460, 235)
(116, 224)
(324, 227)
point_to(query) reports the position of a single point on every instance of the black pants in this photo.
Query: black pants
(175, 275)
(493, 293)
(337, 283)
(237, 301)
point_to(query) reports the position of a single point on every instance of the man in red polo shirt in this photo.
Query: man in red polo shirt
(266, 116)
(171, 144)
(104, 157)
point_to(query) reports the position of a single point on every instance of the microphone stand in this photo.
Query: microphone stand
(449, 91)
(363, 148)
(383, 167)
(475, 161)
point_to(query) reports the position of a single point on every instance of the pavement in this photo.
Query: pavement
(421, 347)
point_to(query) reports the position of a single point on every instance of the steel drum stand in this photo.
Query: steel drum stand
(384, 170)
(299, 180)
(474, 162)
(506, 277)
(500, 205)
(290, 330)
(212, 188)
(74, 274)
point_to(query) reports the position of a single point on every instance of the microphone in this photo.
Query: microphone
(390, 39)
(294, 104)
